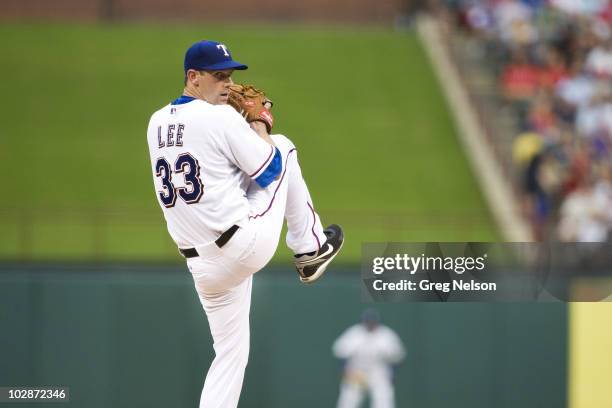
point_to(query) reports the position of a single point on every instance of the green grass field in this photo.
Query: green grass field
(375, 139)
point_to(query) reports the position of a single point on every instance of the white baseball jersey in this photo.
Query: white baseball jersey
(203, 158)
(369, 350)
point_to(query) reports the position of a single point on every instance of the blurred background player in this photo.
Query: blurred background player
(370, 351)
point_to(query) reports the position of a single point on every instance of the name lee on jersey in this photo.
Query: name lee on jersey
(172, 136)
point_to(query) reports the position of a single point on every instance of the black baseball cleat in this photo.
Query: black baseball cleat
(311, 266)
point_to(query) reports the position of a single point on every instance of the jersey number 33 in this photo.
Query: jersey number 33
(189, 167)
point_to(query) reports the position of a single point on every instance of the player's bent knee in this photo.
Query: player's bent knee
(283, 143)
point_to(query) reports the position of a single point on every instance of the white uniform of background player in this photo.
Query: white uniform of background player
(370, 350)
(213, 172)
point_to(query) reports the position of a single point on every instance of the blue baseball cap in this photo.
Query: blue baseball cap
(370, 316)
(210, 55)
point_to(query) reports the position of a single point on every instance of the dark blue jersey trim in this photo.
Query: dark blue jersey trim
(182, 99)
(272, 171)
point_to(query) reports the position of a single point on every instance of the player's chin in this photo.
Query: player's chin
(223, 98)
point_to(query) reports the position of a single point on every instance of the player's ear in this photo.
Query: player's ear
(193, 77)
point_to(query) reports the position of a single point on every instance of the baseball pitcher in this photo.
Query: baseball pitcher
(225, 185)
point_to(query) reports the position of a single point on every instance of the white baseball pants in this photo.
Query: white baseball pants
(381, 391)
(223, 276)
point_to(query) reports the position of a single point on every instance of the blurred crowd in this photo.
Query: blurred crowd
(553, 64)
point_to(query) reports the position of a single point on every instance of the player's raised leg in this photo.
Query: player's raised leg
(304, 230)
(310, 261)
(288, 198)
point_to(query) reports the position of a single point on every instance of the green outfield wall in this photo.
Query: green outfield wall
(135, 336)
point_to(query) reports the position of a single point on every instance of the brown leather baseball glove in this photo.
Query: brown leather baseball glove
(251, 103)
